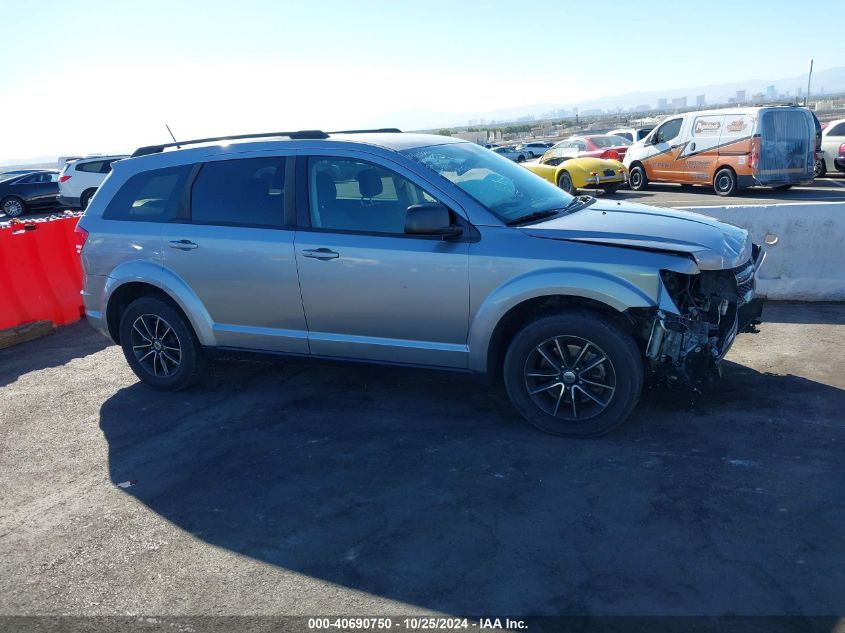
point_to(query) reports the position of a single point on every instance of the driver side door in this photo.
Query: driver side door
(369, 290)
(663, 162)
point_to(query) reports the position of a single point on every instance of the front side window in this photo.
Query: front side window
(151, 196)
(506, 189)
(668, 131)
(246, 191)
(353, 195)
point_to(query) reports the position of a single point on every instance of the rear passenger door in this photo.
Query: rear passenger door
(370, 291)
(232, 245)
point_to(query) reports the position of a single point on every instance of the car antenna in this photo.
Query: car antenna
(171, 136)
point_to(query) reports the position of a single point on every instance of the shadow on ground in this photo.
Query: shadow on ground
(428, 490)
(78, 340)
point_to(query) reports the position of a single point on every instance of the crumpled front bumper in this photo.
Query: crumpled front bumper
(686, 346)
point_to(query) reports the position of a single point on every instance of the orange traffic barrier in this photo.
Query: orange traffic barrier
(40, 272)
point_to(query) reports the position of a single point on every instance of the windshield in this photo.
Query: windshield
(506, 189)
(609, 141)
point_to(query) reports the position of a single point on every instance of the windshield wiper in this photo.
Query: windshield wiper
(531, 217)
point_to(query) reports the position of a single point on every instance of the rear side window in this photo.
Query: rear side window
(837, 130)
(625, 135)
(246, 191)
(151, 196)
(95, 167)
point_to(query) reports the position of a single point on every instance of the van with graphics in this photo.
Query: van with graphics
(728, 149)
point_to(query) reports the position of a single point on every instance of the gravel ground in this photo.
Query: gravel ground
(316, 489)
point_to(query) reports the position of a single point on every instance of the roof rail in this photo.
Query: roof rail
(155, 149)
(381, 130)
(301, 134)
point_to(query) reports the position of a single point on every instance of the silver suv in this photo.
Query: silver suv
(409, 249)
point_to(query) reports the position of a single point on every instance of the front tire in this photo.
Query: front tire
(637, 179)
(564, 181)
(575, 374)
(819, 168)
(160, 345)
(86, 199)
(520, 159)
(724, 182)
(13, 206)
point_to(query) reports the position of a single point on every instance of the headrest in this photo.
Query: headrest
(369, 183)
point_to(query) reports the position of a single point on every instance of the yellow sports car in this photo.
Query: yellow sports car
(571, 174)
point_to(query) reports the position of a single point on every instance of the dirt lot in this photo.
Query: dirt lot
(312, 489)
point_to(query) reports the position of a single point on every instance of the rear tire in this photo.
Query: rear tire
(13, 206)
(724, 182)
(160, 345)
(819, 168)
(637, 179)
(564, 181)
(557, 360)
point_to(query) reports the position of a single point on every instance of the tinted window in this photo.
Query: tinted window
(353, 195)
(837, 130)
(641, 134)
(668, 131)
(247, 191)
(151, 196)
(95, 167)
(625, 135)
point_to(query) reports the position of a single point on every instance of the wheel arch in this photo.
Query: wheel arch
(136, 279)
(511, 306)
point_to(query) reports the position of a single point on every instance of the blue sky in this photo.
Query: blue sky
(81, 76)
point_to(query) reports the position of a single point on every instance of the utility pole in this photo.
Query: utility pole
(809, 76)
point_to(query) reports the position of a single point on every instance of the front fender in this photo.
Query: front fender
(149, 272)
(614, 292)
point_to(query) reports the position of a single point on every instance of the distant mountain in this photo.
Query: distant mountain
(831, 80)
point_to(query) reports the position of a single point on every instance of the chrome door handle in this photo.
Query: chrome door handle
(183, 245)
(324, 254)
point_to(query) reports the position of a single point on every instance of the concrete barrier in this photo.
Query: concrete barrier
(805, 246)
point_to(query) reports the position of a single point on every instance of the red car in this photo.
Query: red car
(594, 146)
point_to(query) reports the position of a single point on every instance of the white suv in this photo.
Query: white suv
(79, 179)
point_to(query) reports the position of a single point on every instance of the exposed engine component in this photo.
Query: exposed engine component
(689, 345)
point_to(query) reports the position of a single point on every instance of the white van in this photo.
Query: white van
(728, 149)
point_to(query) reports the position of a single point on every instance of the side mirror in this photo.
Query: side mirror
(431, 218)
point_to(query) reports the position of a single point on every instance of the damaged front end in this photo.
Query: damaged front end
(710, 307)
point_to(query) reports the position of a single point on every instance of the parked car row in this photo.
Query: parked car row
(728, 149)
(25, 190)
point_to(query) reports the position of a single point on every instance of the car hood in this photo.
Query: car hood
(713, 244)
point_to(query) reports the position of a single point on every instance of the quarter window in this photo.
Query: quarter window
(838, 130)
(246, 191)
(95, 167)
(151, 196)
(353, 195)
